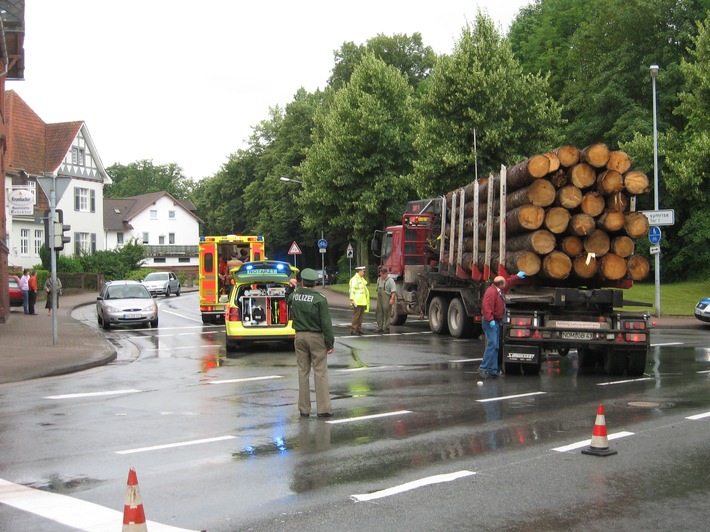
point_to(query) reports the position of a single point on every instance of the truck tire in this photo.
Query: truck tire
(460, 325)
(438, 311)
(636, 364)
(615, 361)
(395, 318)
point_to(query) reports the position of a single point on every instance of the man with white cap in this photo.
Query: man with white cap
(493, 310)
(359, 299)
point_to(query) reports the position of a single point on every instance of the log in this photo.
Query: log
(556, 265)
(582, 175)
(571, 245)
(596, 155)
(582, 224)
(623, 246)
(637, 267)
(636, 183)
(554, 162)
(540, 241)
(619, 161)
(636, 224)
(557, 219)
(558, 178)
(611, 221)
(526, 172)
(597, 242)
(569, 197)
(612, 267)
(593, 204)
(585, 266)
(609, 182)
(540, 193)
(568, 155)
(618, 201)
(524, 218)
(526, 261)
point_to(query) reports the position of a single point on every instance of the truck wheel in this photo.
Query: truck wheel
(438, 310)
(615, 361)
(636, 364)
(395, 318)
(563, 351)
(460, 325)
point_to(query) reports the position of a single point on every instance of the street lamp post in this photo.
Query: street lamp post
(654, 73)
(290, 179)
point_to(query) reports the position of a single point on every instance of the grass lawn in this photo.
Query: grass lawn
(677, 299)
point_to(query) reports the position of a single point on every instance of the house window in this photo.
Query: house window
(153, 214)
(78, 156)
(161, 240)
(24, 241)
(119, 239)
(159, 260)
(184, 259)
(171, 215)
(33, 189)
(145, 238)
(171, 238)
(82, 243)
(84, 200)
(39, 240)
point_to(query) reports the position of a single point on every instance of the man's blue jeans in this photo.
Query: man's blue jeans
(490, 355)
(26, 301)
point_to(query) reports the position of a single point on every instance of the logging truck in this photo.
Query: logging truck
(578, 256)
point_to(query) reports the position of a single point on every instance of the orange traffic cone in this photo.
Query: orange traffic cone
(600, 442)
(133, 515)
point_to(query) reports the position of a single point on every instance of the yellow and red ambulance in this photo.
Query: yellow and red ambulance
(218, 255)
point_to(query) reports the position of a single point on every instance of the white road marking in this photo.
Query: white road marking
(203, 346)
(181, 315)
(465, 360)
(91, 394)
(173, 445)
(436, 479)
(698, 416)
(586, 443)
(374, 416)
(250, 379)
(625, 381)
(506, 397)
(68, 511)
(667, 343)
(704, 371)
(366, 367)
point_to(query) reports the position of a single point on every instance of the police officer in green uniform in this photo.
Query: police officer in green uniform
(314, 341)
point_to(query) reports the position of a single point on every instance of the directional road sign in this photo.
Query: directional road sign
(654, 235)
(660, 217)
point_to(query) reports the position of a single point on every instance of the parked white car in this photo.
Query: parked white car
(162, 283)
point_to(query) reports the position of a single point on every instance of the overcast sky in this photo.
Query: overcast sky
(184, 82)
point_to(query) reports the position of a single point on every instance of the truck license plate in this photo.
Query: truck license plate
(576, 335)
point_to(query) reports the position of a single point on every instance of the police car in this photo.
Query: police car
(257, 309)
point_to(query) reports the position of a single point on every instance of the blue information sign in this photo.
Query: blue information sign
(654, 235)
(322, 243)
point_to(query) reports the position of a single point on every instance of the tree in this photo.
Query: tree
(143, 177)
(354, 174)
(480, 89)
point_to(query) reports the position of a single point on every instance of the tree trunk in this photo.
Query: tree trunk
(636, 183)
(596, 155)
(572, 245)
(581, 175)
(557, 219)
(611, 221)
(636, 224)
(540, 193)
(540, 241)
(638, 267)
(556, 265)
(619, 161)
(612, 267)
(593, 204)
(597, 242)
(610, 181)
(568, 155)
(623, 246)
(569, 197)
(524, 173)
(585, 266)
(581, 224)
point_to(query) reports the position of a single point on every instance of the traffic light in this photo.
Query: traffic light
(59, 227)
(47, 242)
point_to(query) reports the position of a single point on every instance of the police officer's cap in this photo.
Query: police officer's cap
(309, 274)
(359, 267)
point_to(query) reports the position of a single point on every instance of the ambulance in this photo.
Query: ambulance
(218, 255)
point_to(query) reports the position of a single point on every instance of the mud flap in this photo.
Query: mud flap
(521, 354)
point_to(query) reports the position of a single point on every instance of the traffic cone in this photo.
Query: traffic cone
(133, 515)
(600, 442)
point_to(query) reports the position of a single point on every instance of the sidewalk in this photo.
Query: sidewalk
(27, 350)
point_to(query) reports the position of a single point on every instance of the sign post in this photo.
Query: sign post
(349, 253)
(322, 246)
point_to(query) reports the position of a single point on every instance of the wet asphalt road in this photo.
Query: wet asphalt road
(218, 445)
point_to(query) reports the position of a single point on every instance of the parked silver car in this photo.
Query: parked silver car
(162, 283)
(125, 303)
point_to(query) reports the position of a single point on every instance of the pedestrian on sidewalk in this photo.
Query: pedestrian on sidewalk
(25, 289)
(32, 295)
(386, 297)
(49, 288)
(314, 342)
(359, 299)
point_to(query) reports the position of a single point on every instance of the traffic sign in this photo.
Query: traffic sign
(322, 244)
(654, 250)
(654, 235)
(349, 253)
(294, 249)
(660, 217)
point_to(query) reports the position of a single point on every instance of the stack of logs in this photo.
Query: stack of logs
(567, 217)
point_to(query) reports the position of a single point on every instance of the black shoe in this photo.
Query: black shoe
(483, 374)
(379, 331)
(305, 415)
(498, 374)
(326, 414)
(358, 333)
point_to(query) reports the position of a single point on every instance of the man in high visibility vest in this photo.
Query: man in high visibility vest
(359, 299)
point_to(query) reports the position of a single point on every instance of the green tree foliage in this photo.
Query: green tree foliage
(143, 177)
(114, 264)
(406, 54)
(354, 174)
(480, 87)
